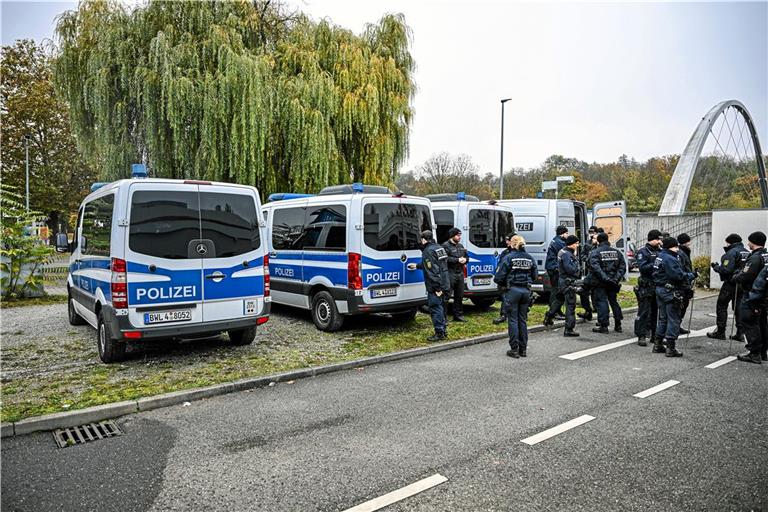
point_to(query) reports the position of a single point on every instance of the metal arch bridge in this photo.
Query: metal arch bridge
(680, 185)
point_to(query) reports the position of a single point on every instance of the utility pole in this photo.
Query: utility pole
(501, 159)
(26, 147)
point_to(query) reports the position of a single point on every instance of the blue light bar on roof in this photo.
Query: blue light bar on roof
(283, 196)
(357, 187)
(96, 186)
(461, 196)
(138, 171)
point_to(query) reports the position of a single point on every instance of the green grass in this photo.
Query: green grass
(98, 384)
(34, 301)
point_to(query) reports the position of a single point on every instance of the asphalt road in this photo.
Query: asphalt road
(335, 441)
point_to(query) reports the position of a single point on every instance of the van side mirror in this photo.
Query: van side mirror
(62, 243)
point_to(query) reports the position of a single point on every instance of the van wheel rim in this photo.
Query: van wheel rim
(323, 312)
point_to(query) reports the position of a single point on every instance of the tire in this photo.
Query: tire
(72, 316)
(405, 316)
(483, 302)
(242, 336)
(110, 349)
(324, 313)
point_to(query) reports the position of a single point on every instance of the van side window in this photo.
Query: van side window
(97, 225)
(287, 228)
(444, 220)
(164, 222)
(325, 228)
(230, 222)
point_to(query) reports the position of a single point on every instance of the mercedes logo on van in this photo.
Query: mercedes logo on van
(403, 257)
(201, 249)
(496, 254)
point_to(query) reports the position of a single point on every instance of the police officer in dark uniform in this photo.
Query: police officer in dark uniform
(434, 263)
(757, 303)
(587, 295)
(733, 259)
(670, 280)
(685, 260)
(515, 273)
(551, 266)
(569, 285)
(752, 323)
(607, 268)
(502, 315)
(457, 260)
(645, 290)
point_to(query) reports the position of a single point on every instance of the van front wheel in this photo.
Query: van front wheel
(242, 336)
(324, 313)
(110, 349)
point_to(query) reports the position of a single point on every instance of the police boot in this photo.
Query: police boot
(717, 334)
(602, 329)
(671, 350)
(501, 320)
(749, 357)
(570, 334)
(523, 352)
(548, 320)
(459, 318)
(684, 331)
(437, 336)
(617, 326)
(736, 337)
(513, 353)
(658, 346)
(641, 341)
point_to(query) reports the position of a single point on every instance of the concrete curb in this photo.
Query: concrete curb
(108, 411)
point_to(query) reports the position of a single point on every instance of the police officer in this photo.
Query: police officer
(607, 268)
(457, 260)
(670, 280)
(434, 263)
(587, 295)
(733, 259)
(502, 315)
(752, 320)
(645, 290)
(569, 285)
(551, 266)
(685, 260)
(515, 274)
(757, 304)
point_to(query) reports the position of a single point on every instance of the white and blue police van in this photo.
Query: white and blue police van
(161, 258)
(483, 224)
(537, 219)
(345, 251)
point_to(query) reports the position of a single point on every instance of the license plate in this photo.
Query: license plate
(383, 292)
(179, 315)
(481, 281)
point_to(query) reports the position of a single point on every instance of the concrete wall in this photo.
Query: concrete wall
(697, 225)
(725, 222)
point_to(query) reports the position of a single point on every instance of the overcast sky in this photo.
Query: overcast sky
(587, 80)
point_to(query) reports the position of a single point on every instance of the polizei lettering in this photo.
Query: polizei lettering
(478, 269)
(383, 277)
(171, 292)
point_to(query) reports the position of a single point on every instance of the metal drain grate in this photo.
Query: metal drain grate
(83, 433)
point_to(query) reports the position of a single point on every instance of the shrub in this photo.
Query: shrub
(701, 263)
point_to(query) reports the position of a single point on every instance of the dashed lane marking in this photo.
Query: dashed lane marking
(399, 494)
(721, 362)
(655, 389)
(559, 429)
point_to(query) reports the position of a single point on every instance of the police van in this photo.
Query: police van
(537, 219)
(484, 225)
(160, 258)
(346, 251)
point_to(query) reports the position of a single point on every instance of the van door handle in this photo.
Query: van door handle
(273, 254)
(216, 276)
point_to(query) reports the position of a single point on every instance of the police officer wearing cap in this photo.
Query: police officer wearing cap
(569, 271)
(434, 263)
(670, 280)
(733, 259)
(684, 241)
(502, 315)
(551, 266)
(647, 310)
(515, 273)
(607, 268)
(753, 318)
(457, 260)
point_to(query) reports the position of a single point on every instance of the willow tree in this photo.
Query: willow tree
(236, 91)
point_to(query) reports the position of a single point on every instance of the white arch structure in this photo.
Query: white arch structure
(680, 184)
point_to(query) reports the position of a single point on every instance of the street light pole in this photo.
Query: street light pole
(26, 147)
(501, 158)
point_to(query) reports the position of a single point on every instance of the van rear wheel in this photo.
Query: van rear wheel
(110, 349)
(405, 316)
(242, 336)
(72, 316)
(483, 302)
(324, 312)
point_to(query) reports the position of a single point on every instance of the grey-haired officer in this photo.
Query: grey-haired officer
(670, 280)
(457, 260)
(607, 268)
(516, 271)
(434, 263)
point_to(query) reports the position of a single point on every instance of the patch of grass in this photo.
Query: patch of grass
(34, 301)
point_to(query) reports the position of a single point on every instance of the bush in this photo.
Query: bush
(701, 263)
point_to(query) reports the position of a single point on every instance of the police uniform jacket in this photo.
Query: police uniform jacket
(646, 257)
(434, 263)
(758, 295)
(668, 270)
(555, 246)
(754, 264)
(735, 255)
(568, 266)
(607, 264)
(454, 252)
(517, 268)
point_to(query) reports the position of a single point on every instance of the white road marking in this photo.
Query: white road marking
(700, 332)
(559, 429)
(721, 362)
(655, 389)
(399, 494)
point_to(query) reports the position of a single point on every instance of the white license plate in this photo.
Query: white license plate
(481, 281)
(179, 315)
(383, 292)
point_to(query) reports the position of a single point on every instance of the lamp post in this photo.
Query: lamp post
(501, 158)
(26, 149)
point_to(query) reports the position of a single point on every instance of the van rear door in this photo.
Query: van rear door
(233, 264)
(612, 217)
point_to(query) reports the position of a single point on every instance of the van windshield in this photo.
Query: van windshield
(488, 227)
(394, 226)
